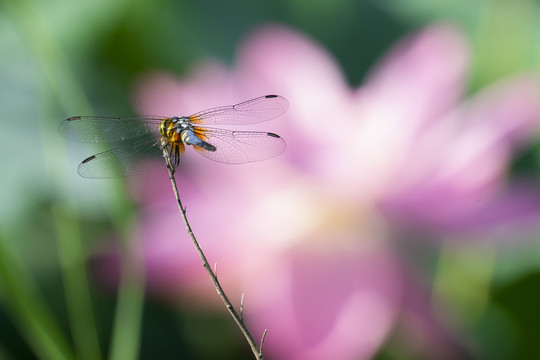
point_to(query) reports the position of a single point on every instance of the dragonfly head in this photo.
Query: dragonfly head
(165, 126)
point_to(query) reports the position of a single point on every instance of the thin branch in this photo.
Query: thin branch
(238, 319)
(262, 340)
(242, 307)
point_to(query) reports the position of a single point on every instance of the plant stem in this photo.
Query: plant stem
(71, 255)
(237, 318)
(126, 332)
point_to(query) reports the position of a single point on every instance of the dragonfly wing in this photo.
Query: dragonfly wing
(248, 112)
(132, 158)
(238, 147)
(108, 129)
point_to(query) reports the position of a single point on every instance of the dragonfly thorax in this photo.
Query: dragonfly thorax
(182, 123)
(173, 128)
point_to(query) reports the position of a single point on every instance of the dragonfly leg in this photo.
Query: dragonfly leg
(163, 145)
(176, 157)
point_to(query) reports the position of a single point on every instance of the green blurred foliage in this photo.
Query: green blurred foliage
(504, 34)
(62, 58)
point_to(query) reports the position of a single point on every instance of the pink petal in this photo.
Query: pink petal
(494, 217)
(421, 78)
(418, 83)
(474, 145)
(324, 304)
(295, 66)
(206, 86)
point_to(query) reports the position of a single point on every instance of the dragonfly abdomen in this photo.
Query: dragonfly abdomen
(190, 138)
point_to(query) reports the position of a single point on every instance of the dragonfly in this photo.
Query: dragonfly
(140, 140)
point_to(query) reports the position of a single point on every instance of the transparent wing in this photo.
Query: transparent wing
(108, 129)
(131, 158)
(248, 112)
(238, 147)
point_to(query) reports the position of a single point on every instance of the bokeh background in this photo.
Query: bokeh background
(401, 222)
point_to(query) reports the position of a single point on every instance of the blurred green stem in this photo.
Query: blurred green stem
(71, 256)
(128, 317)
(28, 309)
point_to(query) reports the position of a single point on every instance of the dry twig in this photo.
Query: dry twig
(257, 351)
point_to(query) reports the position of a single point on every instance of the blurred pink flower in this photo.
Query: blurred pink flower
(307, 236)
